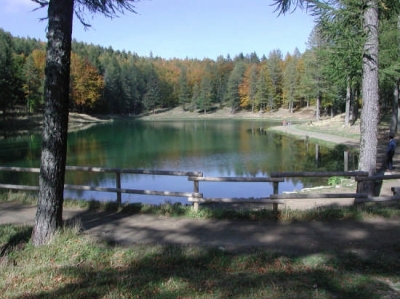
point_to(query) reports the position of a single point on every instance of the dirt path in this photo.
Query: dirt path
(361, 237)
(293, 130)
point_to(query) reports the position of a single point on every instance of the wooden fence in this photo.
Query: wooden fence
(196, 177)
(263, 200)
(117, 171)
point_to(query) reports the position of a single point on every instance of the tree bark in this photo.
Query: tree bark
(318, 108)
(395, 111)
(348, 98)
(370, 94)
(55, 125)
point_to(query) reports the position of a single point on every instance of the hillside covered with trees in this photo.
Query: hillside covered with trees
(108, 81)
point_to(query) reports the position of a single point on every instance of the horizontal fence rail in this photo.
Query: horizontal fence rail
(359, 176)
(378, 177)
(19, 169)
(318, 195)
(197, 179)
(318, 174)
(235, 179)
(196, 197)
(118, 190)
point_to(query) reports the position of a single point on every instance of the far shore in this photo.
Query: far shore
(304, 115)
(302, 122)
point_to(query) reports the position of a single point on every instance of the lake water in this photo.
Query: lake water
(215, 147)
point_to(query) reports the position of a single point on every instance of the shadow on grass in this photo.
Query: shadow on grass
(226, 259)
(221, 211)
(327, 228)
(18, 237)
(172, 271)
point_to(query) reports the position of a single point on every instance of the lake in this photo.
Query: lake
(241, 148)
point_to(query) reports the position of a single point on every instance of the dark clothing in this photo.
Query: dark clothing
(390, 153)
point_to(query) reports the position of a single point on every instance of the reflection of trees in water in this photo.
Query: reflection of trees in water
(226, 147)
(21, 151)
(340, 158)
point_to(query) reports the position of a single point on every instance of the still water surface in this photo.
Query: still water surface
(215, 147)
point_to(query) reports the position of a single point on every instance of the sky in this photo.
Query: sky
(194, 29)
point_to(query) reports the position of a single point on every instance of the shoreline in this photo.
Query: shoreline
(299, 123)
(301, 116)
(328, 139)
(299, 120)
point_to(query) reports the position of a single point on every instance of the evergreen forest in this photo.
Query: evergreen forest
(107, 81)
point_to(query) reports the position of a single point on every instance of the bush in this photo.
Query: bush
(335, 180)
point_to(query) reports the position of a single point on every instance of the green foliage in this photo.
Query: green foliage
(10, 73)
(262, 94)
(204, 100)
(34, 80)
(335, 180)
(184, 91)
(152, 97)
(275, 71)
(232, 90)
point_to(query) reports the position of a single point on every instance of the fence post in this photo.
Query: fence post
(276, 191)
(118, 186)
(196, 190)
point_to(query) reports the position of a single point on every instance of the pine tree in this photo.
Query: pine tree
(132, 84)
(232, 92)
(275, 71)
(56, 94)
(152, 96)
(253, 86)
(34, 79)
(10, 82)
(206, 91)
(184, 91)
(262, 95)
(369, 17)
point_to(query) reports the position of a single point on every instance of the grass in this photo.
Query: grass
(334, 130)
(76, 265)
(328, 213)
(79, 266)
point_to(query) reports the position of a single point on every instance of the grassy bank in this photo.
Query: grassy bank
(78, 266)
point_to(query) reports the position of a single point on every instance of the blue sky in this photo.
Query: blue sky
(178, 28)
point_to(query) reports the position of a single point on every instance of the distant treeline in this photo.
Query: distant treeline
(106, 81)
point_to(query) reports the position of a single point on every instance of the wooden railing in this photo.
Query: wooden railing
(118, 190)
(378, 180)
(359, 176)
(196, 177)
(264, 200)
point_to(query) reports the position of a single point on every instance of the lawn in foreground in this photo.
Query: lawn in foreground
(75, 265)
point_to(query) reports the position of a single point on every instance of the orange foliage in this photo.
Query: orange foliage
(86, 83)
(244, 89)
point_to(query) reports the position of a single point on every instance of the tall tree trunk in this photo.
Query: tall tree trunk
(348, 98)
(395, 111)
(370, 94)
(354, 106)
(55, 126)
(318, 108)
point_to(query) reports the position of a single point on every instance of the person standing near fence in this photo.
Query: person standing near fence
(390, 152)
